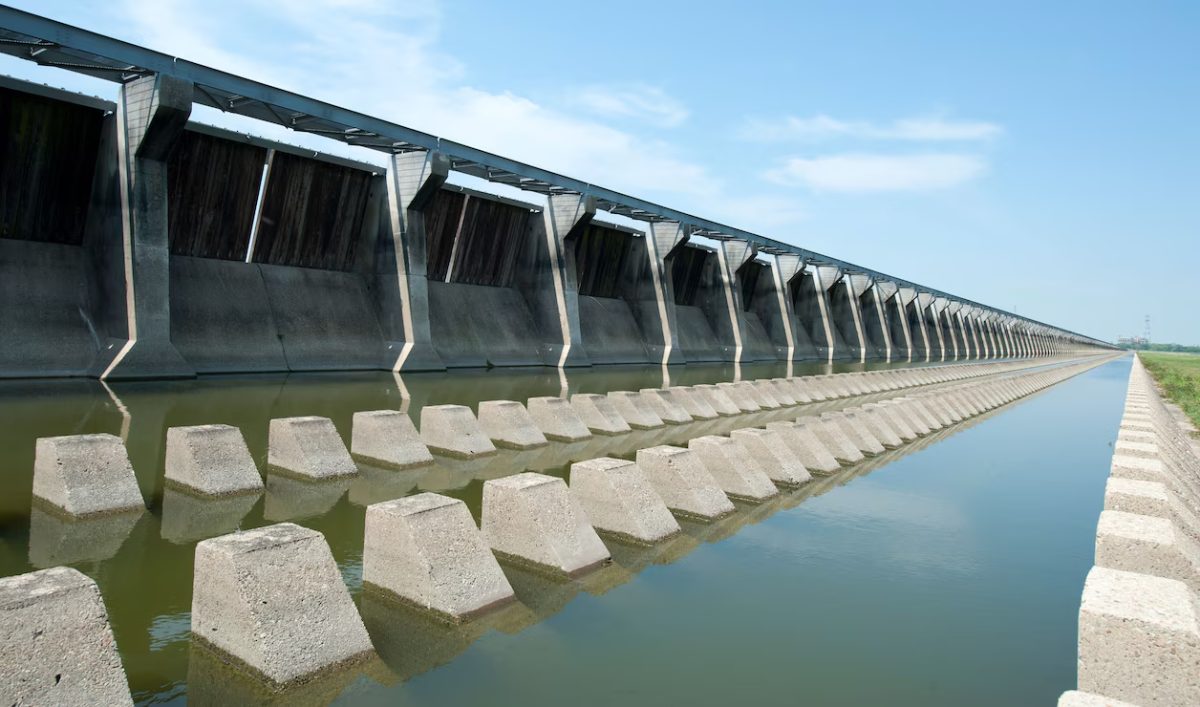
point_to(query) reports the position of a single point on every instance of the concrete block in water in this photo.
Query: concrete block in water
(453, 431)
(211, 460)
(273, 599)
(879, 426)
(695, 403)
(741, 397)
(735, 469)
(683, 482)
(771, 451)
(426, 550)
(532, 519)
(83, 475)
(799, 390)
(508, 424)
(617, 498)
(1146, 544)
(634, 410)
(599, 414)
(764, 394)
(782, 391)
(663, 403)
(557, 419)
(56, 645)
(1139, 638)
(309, 447)
(808, 448)
(852, 428)
(890, 416)
(718, 399)
(834, 439)
(1075, 698)
(388, 438)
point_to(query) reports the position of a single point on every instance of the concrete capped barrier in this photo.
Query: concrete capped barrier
(599, 414)
(735, 470)
(453, 431)
(308, 447)
(210, 460)
(771, 451)
(718, 399)
(663, 403)
(532, 519)
(695, 402)
(273, 599)
(807, 447)
(834, 439)
(1139, 638)
(388, 438)
(426, 550)
(683, 482)
(1138, 543)
(740, 396)
(617, 498)
(85, 475)
(557, 419)
(508, 424)
(634, 409)
(56, 645)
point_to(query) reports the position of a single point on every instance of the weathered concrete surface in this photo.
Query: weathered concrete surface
(599, 414)
(617, 498)
(857, 431)
(718, 399)
(453, 431)
(663, 403)
(834, 438)
(879, 426)
(532, 519)
(558, 419)
(308, 447)
(695, 403)
(1145, 544)
(273, 599)
(741, 396)
(735, 469)
(212, 460)
(83, 475)
(509, 425)
(634, 410)
(388, 438)
(683, 482)
(808, 448)
(426, 550)
(1075, 698)
(771, 451)
(56, 645)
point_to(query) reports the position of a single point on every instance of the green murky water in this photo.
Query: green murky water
(945, 572)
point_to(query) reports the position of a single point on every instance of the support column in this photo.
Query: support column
(900, 300)
(784, 269)
(732, 255)
(856, 313)
(920, 305)
(567, 216)
(823, 303)
(151, 114)
(413, 180)
(948, 329)
(664, 239)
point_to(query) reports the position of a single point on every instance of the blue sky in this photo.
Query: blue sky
(1036, 158)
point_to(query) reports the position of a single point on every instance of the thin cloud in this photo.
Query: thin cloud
(648, 104)
(823, 127)
(859, 173)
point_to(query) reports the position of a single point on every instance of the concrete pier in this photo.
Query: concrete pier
(557, 419)
(531, 519)
(388, 438)
(453, 431)
(273, 600)
(426, 551)
(56, 645)
(736, 470)
(508, 424)
(308, 447)
(85, 475)
(618, 498)
(771, 451)
(211, 460)
(599, 414)
(683, 482)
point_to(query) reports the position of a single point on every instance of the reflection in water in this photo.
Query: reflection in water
(58, 540)
(187, 518)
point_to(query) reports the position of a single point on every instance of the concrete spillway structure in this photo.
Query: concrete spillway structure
(138, 243)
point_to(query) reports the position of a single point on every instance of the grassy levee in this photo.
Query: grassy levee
(1179, 376)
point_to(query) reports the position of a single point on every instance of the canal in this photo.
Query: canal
(946, 572)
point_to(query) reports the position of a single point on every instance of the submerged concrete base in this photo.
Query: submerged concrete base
(273, 599)
(617, 498)
(683, 482)
(426, 551)
(453, 431)
(211, 460)
(388, 438)
(56, 645)
(85, 475)
(531, 519)
(308, 447)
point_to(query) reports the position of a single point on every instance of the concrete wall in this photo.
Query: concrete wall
(701, 307)
(844, 322)
(618, 307)
(813, 340)
(763, 330)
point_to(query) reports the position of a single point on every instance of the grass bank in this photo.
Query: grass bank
(1179, 376)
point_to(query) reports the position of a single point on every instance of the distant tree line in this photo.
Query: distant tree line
(1177, 348)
